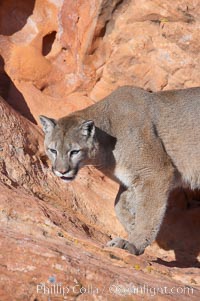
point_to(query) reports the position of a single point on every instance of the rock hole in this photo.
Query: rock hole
(14, 15)
(47, 42)
(12, 95)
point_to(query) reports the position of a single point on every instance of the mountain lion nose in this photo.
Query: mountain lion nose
(63, 171)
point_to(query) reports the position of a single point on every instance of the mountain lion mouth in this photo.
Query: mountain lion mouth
(67, 178)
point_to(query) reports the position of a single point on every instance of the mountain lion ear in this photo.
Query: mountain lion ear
(88, 128)
(48, 124)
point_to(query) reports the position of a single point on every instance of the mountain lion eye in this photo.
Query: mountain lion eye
(74, 152)
(53, 151)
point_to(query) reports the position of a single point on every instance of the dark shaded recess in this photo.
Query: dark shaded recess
(14, 15)
(12, 95)
(180, 228)
(47, 42)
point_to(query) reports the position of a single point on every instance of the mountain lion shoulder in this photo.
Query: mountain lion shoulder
(148, 142)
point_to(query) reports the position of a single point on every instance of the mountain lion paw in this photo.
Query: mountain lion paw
(123, 244)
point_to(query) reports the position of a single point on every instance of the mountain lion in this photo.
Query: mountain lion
(148, 142)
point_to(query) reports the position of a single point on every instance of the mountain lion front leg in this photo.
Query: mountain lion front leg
(141, 209)
(151, 205)
(125, 210)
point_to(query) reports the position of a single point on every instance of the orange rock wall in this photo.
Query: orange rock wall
(58, 56)
(63, 55)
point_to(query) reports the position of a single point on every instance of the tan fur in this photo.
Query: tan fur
(147, 142)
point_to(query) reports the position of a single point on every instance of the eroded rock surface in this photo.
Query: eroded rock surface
(50, 230)
(61, 56)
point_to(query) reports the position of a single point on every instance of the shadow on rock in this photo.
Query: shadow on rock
(180, 229)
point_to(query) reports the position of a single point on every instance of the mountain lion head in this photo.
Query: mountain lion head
(70, 144)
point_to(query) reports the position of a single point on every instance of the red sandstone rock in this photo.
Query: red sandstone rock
(50, 230)
(58, 57)
(54, 48)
